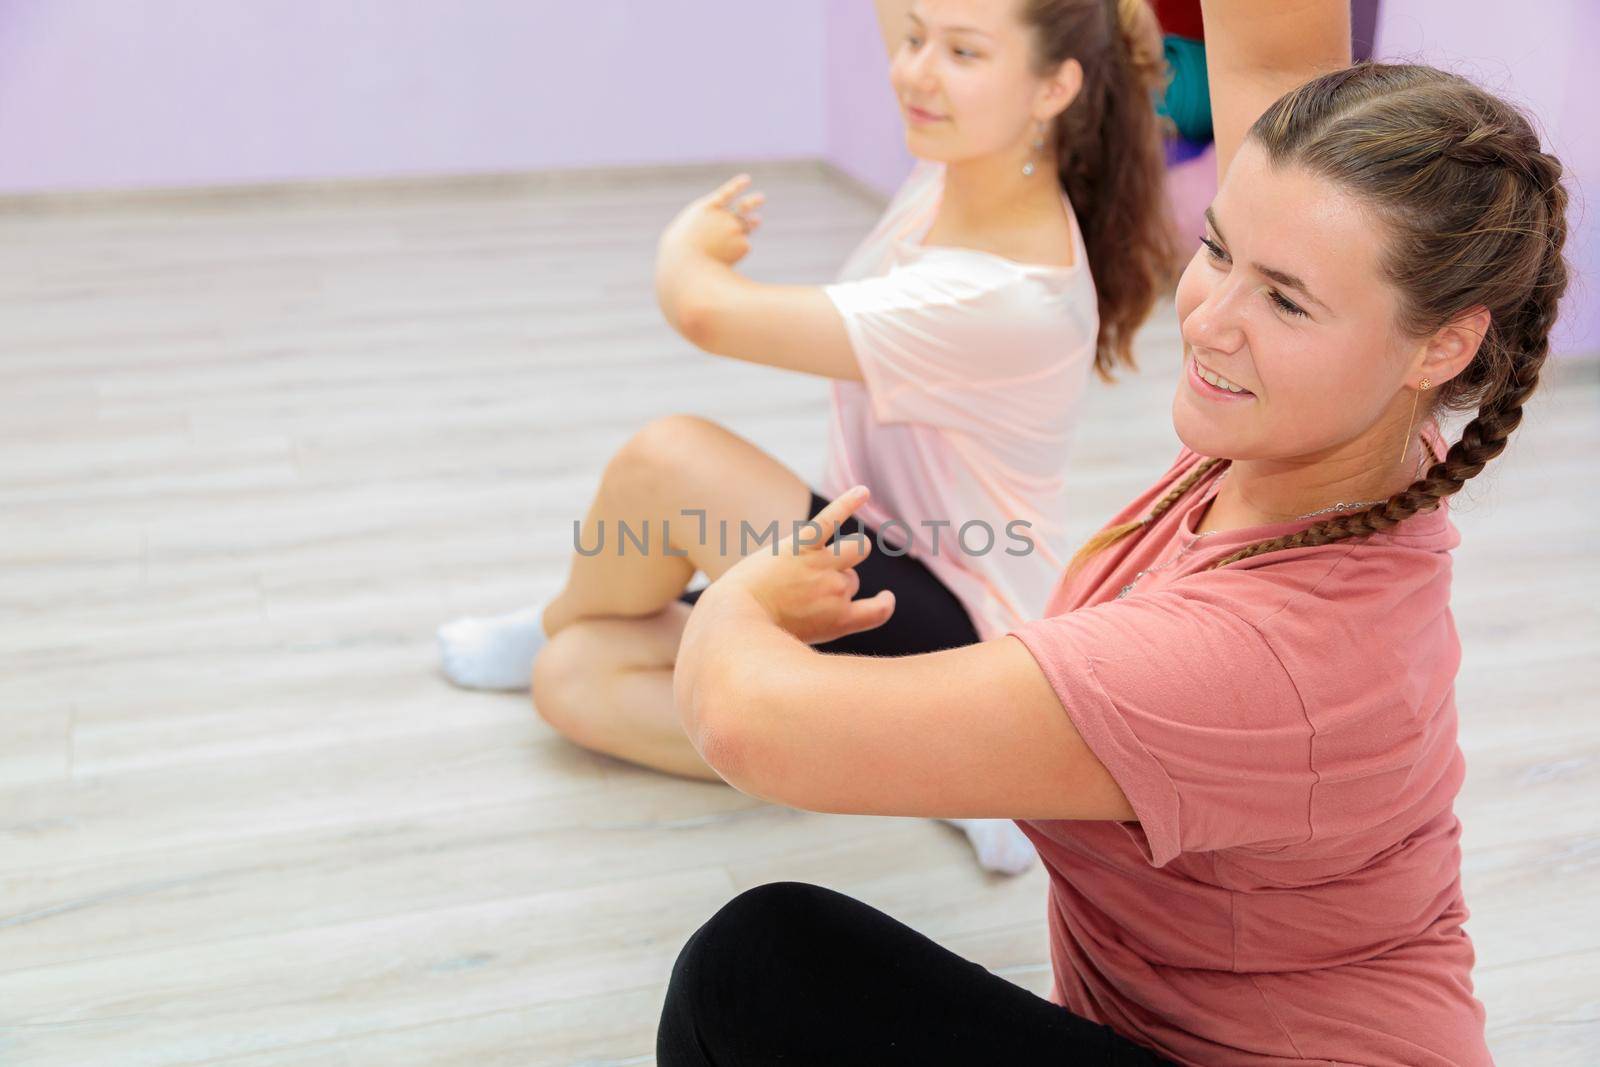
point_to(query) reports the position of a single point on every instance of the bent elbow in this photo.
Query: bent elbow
(721, 747)
(698, 321)
(727, 734)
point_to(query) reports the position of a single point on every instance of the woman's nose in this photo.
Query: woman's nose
(919, 69)
(1214, 323)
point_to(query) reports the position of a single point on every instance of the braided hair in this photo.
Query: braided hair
(1475, 214)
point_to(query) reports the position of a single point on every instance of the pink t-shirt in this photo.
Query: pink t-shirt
(973, 367)
(1285, 729)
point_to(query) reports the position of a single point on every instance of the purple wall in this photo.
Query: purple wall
(113, 94)
(864, 136)
(98, 94)
(1540, 58)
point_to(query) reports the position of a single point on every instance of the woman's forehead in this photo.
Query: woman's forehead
(1292, 221)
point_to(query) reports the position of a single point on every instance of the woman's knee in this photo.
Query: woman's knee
(755, 931)
(561, 672)
(659, 452)
(740, 960)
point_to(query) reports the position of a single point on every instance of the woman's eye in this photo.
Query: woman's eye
(913, 40)
(965, 53)
(1214, 250)
(1283, 305)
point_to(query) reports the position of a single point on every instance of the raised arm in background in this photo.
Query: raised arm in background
(714, 307)
(1256, 52)
(717, 309)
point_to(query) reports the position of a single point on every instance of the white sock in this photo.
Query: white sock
(494, 652)
(1000, 845)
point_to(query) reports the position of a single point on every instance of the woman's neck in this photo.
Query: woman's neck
(991, 192)
(1267, 491)
(990, 205)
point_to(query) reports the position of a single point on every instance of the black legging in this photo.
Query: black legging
(797, 975)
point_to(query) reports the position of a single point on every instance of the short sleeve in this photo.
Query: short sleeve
(1191, 712)
(963, 341)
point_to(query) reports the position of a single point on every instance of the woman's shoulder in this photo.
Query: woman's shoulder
(1352, 592)
(1025, 255)
(1021, 294)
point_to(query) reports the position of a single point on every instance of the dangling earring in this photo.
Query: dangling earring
(1038, 146)
(1405, 443)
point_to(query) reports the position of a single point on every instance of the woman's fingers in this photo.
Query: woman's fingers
(852, 583)
(867, 614)
(827, 521)
(747, 204)
(724, 194)
(847, 552)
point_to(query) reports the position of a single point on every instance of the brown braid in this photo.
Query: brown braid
(1112, 534)
(1476, 218)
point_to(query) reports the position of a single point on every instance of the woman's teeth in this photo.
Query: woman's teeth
(1219, 381)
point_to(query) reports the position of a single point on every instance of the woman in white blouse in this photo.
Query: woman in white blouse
(1025, 249)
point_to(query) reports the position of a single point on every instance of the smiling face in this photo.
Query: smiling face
(966, 80)
(1285, 299)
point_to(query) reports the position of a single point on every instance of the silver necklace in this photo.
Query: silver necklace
(1186, 549)
(1338, 508)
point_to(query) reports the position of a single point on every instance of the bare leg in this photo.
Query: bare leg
(606, 684)
(676, 463)
(671, 465)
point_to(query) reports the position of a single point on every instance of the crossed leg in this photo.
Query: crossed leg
(601, 669)
(606, 684)
(676, 464)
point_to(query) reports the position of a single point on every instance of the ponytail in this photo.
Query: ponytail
(1109, 153)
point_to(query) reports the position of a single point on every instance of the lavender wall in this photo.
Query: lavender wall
(864, 136)
(119, 94)
(113, 94)
(1538, 58)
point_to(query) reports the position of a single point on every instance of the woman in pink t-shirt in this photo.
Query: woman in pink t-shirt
(959, 338)
(1233, 736)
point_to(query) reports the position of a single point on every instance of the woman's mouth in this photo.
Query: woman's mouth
(1209, 383)
(921, 116)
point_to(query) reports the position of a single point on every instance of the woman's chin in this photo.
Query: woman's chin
(1200, 432)
(927, 148)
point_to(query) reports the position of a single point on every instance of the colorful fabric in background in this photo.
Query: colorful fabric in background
(1180, 18)
(1187, 102)
(1188, 99)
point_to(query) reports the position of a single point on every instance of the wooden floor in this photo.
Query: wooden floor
(255, 449)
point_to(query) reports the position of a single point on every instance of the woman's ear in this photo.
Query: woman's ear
(1452, 347)
(1059, 90)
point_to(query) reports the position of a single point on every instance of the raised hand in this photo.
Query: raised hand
(718, 224)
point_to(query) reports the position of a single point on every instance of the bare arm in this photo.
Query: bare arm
(1256, 52)
(795, 327)
(973, 732)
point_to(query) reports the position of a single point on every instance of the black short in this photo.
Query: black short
(927, 616)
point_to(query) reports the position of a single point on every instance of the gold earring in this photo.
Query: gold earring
(1405, 442)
